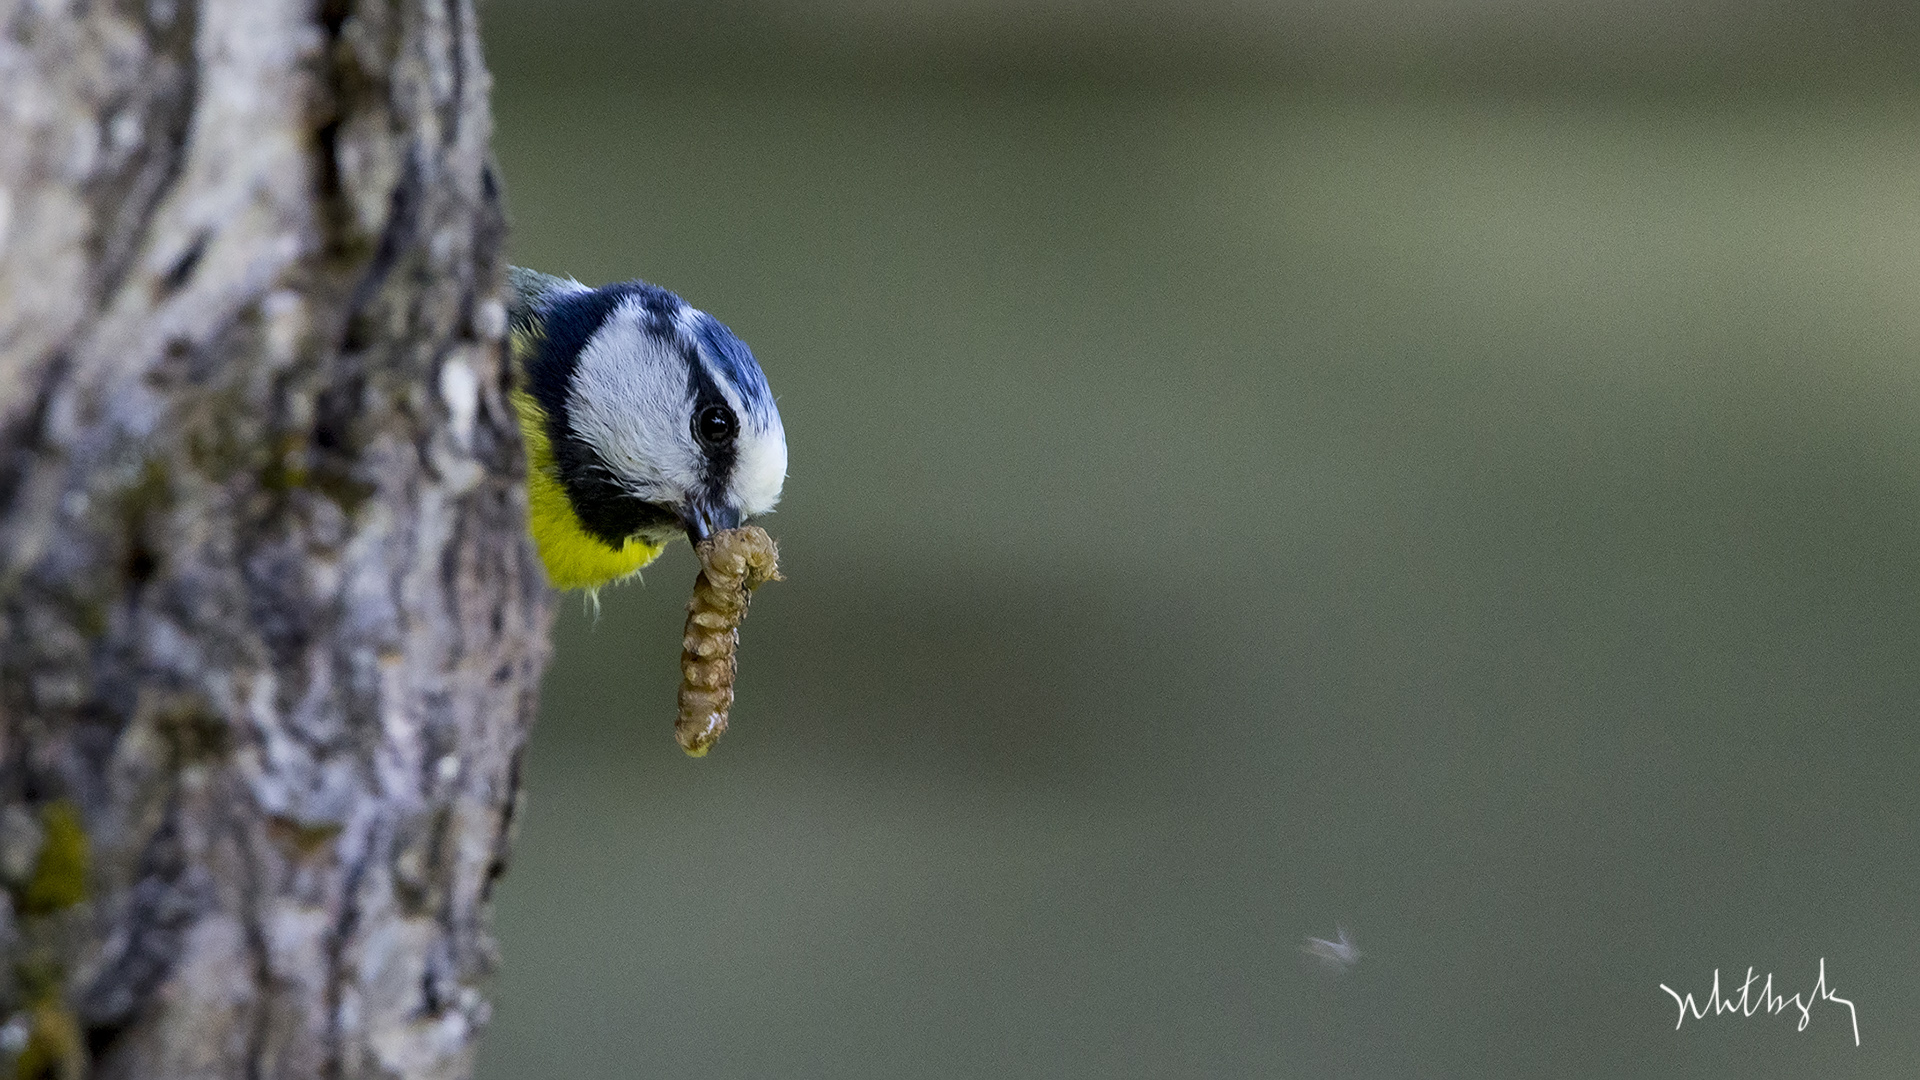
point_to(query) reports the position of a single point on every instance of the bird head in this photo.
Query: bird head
(660, 419)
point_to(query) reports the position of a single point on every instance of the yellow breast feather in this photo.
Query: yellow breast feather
(574, 559)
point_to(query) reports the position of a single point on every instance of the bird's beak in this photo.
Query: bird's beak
(703, 518)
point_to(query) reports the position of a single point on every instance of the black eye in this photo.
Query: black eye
(715, 425)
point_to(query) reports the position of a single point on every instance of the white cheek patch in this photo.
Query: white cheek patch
(759, 468)
(629, 401)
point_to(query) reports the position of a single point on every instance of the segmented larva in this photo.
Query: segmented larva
(732, 564)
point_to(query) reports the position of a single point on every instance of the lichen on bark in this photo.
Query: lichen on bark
(270, 630)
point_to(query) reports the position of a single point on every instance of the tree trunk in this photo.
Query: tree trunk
(270, 629)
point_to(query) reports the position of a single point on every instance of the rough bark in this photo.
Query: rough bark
(270, 630)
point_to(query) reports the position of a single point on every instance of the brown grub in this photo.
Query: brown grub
(732, 565)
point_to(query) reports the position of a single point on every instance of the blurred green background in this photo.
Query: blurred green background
(1450, 470)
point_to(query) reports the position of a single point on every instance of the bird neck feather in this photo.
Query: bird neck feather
(574, 559)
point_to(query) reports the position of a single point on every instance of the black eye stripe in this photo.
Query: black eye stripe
(719, 454)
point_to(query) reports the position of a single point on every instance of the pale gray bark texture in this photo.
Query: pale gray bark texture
(270, 629)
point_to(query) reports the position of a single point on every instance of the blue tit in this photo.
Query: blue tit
(643, 419)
